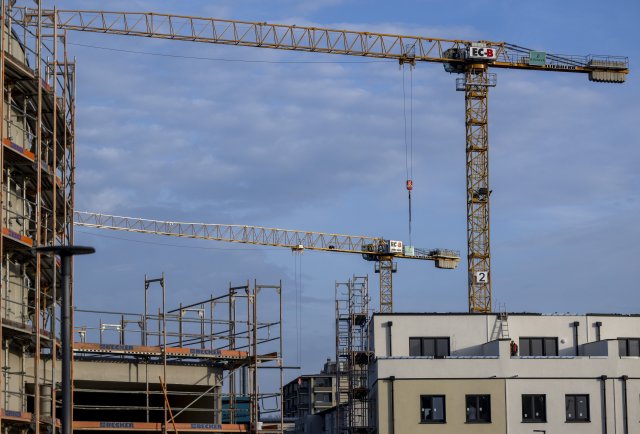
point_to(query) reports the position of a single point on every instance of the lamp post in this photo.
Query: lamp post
(147, 283)
(66, 334)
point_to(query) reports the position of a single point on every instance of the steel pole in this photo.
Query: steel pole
(66, 334)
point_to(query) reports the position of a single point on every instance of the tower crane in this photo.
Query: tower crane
(380, 250)
(472, 60)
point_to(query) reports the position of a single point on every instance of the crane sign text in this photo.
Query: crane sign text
(481, 53)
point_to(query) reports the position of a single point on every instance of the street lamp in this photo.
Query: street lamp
(66, 334)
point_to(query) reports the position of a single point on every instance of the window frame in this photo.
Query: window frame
(444, 409)
(627, 346)
(477, 402)
(575, 419)
(543, 340)
(532, 408)
(434, 346)
(327, 395)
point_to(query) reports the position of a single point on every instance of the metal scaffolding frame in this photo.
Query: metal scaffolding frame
(222, 332)
(37, 135)
(353, 356)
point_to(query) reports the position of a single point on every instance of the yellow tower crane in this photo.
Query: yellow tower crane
(471, 59)
(380, 250)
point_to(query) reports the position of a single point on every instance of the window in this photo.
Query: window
(534, 408)
(629, 347)
(323, 397)
(478, 408)
(323, 382)
(577, 407)
(432, 409)
(434, 347)
(539, 346)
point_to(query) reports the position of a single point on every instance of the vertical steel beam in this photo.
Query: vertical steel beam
(478, 192)
(3, 288)
(281, 355)
(232, 346)
(254, 373)
(54, 278)
(40, 224)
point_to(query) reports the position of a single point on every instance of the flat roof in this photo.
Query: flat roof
(500, 313)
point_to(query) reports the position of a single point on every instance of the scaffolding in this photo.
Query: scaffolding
(37, 134)
(353, 356)
(220, 338)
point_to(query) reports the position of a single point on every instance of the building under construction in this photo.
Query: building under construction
(195, 367)
(37, 157)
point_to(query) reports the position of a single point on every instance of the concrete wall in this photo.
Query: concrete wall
(465, 336)
(468, 333)
(13, 381)
(12, 46)
(17, 130)
(406, 406)
(15, 293)
(506, 405)
(136, 372)
(555, 391)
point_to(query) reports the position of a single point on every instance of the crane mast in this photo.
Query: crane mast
(476, 89)
(471, 59)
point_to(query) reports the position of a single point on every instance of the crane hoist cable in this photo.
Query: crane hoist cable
(408, 136)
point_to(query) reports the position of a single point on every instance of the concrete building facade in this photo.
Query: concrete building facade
(310, 394)
(498, 373)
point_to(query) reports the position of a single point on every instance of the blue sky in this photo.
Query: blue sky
(320, 146)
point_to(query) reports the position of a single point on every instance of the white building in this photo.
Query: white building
(462, 373)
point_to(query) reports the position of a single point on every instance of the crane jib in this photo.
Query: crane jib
(405, 48)
(371, 248)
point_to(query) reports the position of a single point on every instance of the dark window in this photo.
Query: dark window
(539, 346)
(534, 408)
(442, 347)
(629, 347)
(622, 347)
(415, 346)
(434, 347)
(478, 408)
(323, 382)
(550, 346)
(432, 409)
(323, 397)
(577, 407)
